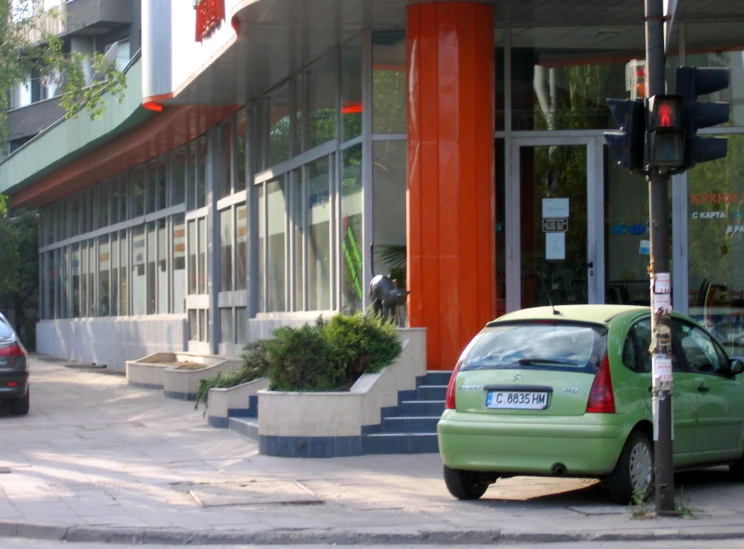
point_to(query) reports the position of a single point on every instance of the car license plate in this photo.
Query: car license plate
(517, 400)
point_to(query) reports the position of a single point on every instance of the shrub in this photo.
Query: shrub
(300, 359)
(255, 366)
(362, 343)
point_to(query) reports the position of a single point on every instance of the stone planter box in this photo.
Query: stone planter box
(329, 424)
(238, 401)
(157, 371)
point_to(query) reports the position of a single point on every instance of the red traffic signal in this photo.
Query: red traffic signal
(665, 112)
(666, 144)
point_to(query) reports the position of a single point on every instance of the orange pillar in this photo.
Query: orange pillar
(451, 182)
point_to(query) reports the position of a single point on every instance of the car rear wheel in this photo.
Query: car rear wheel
(20, 406)
(632, 480)
(464, 484)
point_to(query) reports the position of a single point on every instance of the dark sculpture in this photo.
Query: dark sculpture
(387, 300)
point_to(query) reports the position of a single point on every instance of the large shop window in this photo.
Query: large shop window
(139, 287)
(351, 229)
(276, 206)
(389, 191)
(389, 82)
(351, 90)
(716, 244)
(278, 126)
(318, 243)
(179, 265)
(322, 86)
(226, 250)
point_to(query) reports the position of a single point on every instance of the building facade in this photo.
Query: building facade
(271, 156)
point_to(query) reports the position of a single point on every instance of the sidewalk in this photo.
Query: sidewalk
(97, 460)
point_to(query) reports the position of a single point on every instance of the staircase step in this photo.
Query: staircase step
(434, 377)
(431, 392)
(420, 408)
(247, 427)
(419, 425)
(402, 443)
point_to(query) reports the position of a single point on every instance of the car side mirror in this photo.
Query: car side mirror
(736, 367)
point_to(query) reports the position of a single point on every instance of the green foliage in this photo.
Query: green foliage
(29, 47)
(362, 343)
(301, 359)
(255, 366)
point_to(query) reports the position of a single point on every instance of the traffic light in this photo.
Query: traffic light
(666, 131)
(691, 83)
(627, 143)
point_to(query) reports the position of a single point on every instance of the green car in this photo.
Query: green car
(567, 392)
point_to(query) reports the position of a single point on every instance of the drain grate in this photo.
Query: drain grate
(284, 492)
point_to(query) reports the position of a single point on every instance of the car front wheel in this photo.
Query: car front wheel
(632, 480)
(20, 406)
(464, 484)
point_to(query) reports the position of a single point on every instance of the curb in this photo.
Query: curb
(175, 536)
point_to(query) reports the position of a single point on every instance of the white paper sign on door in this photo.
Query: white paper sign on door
(555, 207)
(555, 246)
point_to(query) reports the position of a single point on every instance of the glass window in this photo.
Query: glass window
(179, 162)
(114, 199)
(716, 245)
(124, 274)
(261, 267)
(193, 325)
(226, 250)
(193, 244)
(298, 223)
(224, 185)
(75, 278)
(278, 138)
(203, 325)
(561, 76)
(125, 210)
(300, 94)
(201, 173)
(92, 263)
(139, 288)
(191, 176)
(63, 277)
(702, 355)
(322, 95)
(151, 187)
(227, 326)
(351, 237)
(51, 284)
(114, 270)
(179, 265)
(240, 144)
(241, 245)
(83, 279)
(104, 192)
(636, 354)
(319, 237)
(104, 266)
(138, 183)
(389, 111)
(161, 185)
(241, 320)
(276, 207)
(163, 275)
(351, 90)
(152, 254)
(389, 195)
(201, 225)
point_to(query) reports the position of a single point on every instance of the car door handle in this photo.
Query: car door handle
(703, 389)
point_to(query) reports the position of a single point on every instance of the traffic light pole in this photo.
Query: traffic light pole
(661, 351)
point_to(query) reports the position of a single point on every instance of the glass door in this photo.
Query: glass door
(555, 225)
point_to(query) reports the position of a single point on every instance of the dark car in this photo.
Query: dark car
(14, 388)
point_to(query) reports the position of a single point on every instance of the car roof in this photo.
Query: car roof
(600, 314)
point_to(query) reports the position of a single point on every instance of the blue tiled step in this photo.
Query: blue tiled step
(423, 425)
(400, 443)
(431, 392)
(247, 427)
(419, 408)
(437, 378)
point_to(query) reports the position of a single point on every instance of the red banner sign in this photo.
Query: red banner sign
(209, 15)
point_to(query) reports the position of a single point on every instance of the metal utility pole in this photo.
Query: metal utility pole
(661, 305)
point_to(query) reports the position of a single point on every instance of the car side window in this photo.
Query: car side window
(635, 350)
(701, 352)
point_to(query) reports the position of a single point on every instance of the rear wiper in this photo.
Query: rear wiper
(536, 361)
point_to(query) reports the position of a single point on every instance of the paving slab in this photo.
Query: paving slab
(97, 459)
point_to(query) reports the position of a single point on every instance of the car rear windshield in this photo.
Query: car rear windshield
(542, 346)
(5, 332)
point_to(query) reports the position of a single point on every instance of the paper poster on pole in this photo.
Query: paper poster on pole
(663, 304)
(555, 207)
(663, 283)
(555, 246)
(662, 368)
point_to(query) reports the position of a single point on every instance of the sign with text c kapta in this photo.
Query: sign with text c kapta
(209, 16)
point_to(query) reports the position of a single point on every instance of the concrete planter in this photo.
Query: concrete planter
(329, 424)
(157, 371)
(238, 401)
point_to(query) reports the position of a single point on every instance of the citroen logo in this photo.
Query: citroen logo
(517, 377)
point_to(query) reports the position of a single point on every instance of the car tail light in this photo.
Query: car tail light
(12, 350)
(449, 401)
(602, 397)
